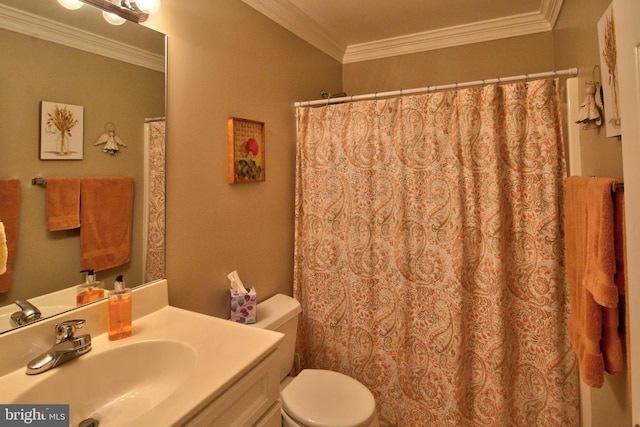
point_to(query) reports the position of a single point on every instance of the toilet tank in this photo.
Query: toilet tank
(280, 313)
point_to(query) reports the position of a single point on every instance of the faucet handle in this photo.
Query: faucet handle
(65, 331)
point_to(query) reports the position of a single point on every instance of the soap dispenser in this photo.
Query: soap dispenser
(120, 316)
(91, 290)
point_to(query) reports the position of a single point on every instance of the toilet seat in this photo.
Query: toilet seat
(321, 398)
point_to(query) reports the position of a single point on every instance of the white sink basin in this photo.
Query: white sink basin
(117, 385)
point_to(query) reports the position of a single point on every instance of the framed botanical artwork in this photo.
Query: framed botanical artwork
(61, 131)
(246, 151)
(609, 66)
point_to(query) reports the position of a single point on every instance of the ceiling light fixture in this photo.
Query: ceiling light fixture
(116, 11)
(112, 18)
(71, 4)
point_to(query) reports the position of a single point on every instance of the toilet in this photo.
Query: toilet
(315, 397)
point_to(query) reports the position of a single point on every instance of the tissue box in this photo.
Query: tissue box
(243, 306)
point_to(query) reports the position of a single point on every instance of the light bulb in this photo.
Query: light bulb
(71, 4)
(148, 6)
(113, 19)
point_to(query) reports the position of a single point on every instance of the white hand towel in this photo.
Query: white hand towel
(4, 253)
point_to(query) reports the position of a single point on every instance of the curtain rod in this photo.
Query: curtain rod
(154, 119)
(437, 88)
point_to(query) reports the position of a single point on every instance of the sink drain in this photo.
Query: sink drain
(89, 422)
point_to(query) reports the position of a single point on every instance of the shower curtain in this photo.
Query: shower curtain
(428, 254)
(154, 203)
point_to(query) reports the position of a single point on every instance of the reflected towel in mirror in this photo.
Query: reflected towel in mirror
(63, 203)
(106, 208)
(3, 250)
(10, 214)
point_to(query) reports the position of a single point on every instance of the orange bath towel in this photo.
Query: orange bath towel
(106, 205)
(9, 215)
(619, 233)
(591, 266)
(63, 203)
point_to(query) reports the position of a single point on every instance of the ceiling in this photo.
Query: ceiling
(360, 30)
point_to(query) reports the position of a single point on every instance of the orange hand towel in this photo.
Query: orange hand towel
(106, 207)
(63, 203)
(10, 215)
(590, 261)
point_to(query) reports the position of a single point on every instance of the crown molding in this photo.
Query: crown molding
(39, 27)
(512, 26)
(550, 9)
(294, 20)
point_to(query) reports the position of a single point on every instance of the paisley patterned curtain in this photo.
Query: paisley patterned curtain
(428, 254)
(154, 210)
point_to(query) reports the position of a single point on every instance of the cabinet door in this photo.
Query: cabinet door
(245, 402)
(626, 17)
(273, 417)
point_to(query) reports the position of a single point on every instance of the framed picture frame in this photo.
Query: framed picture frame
(61, 131)
(246, 151)
(609, 67)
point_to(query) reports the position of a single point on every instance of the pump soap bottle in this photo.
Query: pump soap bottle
(91, 290)
(120, 311)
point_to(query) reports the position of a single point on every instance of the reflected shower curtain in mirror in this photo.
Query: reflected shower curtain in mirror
(428, 254)
(154, 210)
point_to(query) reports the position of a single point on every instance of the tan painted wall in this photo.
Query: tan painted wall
(507, 57)
(35, 70)
(576, 45)
(226, 59)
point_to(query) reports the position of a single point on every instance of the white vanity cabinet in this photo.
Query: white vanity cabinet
(252, 401)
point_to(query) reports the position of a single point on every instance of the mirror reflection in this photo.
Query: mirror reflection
(116, 75)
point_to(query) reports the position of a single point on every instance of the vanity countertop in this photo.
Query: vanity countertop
(223, 352)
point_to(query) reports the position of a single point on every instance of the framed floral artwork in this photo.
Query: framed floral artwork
(609, 66)
(61, 131)
(246, 151)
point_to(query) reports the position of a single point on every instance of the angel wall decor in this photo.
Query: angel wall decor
(111, 141)
(591, 108)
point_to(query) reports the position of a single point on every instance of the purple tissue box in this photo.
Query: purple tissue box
(243, 306)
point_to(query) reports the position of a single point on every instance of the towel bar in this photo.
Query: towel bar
(614, 187)
(38, 180)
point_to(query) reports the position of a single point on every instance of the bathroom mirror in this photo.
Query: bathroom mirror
(116, 74)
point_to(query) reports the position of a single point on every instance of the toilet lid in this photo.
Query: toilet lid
(319, 398)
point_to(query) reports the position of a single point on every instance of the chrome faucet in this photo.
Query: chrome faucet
(67, 347)
(28, 313)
